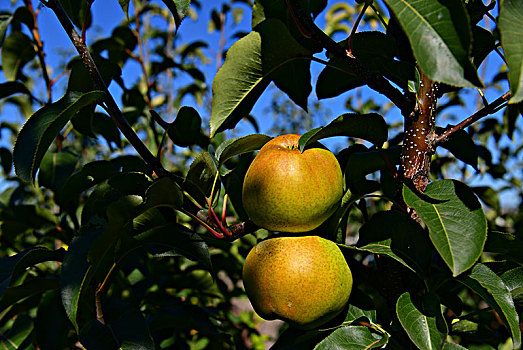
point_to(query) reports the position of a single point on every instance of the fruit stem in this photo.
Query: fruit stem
(224, 209)
(203, 223)
(218, 221)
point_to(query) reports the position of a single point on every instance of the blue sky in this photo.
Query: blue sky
(107, 14)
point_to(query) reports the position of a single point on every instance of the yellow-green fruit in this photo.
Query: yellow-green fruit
(302, 280)
(290, 191)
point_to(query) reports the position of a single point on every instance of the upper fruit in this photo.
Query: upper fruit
(286, 190)
(302, 280)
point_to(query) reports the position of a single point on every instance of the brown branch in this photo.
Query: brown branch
(112, 107)
(374, 80)
(489, 109)
(40, 49)
(418, 143)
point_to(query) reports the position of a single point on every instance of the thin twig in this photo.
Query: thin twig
(112, 107)
(487, 110)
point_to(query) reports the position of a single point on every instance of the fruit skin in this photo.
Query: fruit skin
(302, 280)
(289, 191)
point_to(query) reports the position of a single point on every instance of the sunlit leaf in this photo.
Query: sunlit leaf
(491, 287)
(239, 145)
(440, 38)
(248, 70)
(421, 329)
(510, 22)
(353, 337)
(455, 219)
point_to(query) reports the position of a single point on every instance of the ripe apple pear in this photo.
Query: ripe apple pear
(290, 191)
(302, 280)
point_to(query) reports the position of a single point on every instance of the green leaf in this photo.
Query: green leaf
(294, 78)
(55, 168)
(491, 287)
(17, 50)
(51, 325)
(240, 145)
(183, 315)
(179, 9)
(77, 12)
(75, 274)
(440, 37)
(124, 4)
(13, 87)
(5, 19)
(200, 177)
(28, 289)
(80, 78)
(462, 146)
(41, 129)
(185, 129)
(371, 127)
(292, 339)
(248, 70)
(380, 248)
(513, 279)
(452, 346)
(335, 79)
(6, 160)
(176, 240)
(163, 192)
(96, 335)
(510, 20)
(421, 329)
(352, 338)
(456, 222)
(18, 332)
(13, 267)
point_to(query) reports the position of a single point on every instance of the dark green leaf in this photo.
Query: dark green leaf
(371, 127)
(23, 15)
(183, 315)
(52, 326)
(96, 335)
(456, 222)
(80, 79)
(29, 288)
(13, 87)
(488, 195)
(41, 129)
(440, 38)
(452, 346)
(75, 274)
(381, 248)
(185, 129)
(17, 50)
(294, 78)
(128, 326)
(103, 125)
(247, 71)
(510, 20)
(240, 145)
(176, 240)
(490, 287)
(13, 267)
(483, 44)
(55, 168)
(335, 79)
(352, 338)
(6, 159)
(462, 146)
(77, 10)
(164, 192)
(292, 339)
(355, 313)
(421, 329)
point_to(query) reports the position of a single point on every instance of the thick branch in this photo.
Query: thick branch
(112, 107)
(418, 144)
(374, 80)
(489, 109)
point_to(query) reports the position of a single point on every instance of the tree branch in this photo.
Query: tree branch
(374, 80)
(96, 77)
(489, 109)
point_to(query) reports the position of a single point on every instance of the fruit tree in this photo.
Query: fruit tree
(142, 158)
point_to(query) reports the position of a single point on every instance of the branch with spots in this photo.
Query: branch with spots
(420, 135)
